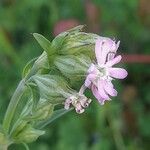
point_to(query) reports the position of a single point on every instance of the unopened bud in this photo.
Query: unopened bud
(79, 111)
(85, 102)
(74, 41)
(67, 103)
(43, 111)
(58, 41)
(78, 101)
(52, 88)
(28, 135)
(72, 66)
(80, 42)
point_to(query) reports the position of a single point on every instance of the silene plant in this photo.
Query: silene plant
(50, 83)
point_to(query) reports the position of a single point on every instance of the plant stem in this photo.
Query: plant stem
(12, 106)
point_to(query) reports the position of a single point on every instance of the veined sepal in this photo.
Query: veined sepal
(73, 66)
(79, 42)
(59, 40)
(52, 88)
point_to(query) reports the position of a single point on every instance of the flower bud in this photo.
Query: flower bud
(77, 43)
(28, 135)
(78, 101)
(19, 126)
(43, 111)
(57, 43)
(72, 66)
(79, 108)
(84, 102)
(74, 41)
(52, 88)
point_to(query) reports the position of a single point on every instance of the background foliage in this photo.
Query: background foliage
(123, 123)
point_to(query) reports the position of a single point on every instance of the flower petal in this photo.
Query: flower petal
(115, 46)
(97, 95)
(101, 90)
(109, 89)
(114, 61)
(118, 43)
(93, 69)
(118, 73)
(89, 79)
(98, 51)
(67, 103)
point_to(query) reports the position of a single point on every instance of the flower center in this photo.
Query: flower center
(103, 72)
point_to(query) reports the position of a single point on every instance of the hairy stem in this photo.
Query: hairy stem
(12, 106)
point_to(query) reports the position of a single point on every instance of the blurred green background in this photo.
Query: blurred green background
(122, 124)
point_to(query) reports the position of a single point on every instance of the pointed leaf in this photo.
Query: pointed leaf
(58, 41)
(28, 67)
(76, 29)
(44, 43)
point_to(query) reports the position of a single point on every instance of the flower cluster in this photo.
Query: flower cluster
(52, 80)
(101, 74)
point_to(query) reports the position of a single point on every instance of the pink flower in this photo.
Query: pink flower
(101, 74)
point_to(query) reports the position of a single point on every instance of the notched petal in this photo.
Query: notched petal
(118, 73)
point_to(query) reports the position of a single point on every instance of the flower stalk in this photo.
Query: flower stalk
(12, 106)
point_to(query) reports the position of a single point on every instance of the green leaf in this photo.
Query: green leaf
(56, 115)
(28, 67)
(35, 96)
(58, 41)
(44, 43)
(40, 63)
(76, 29)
